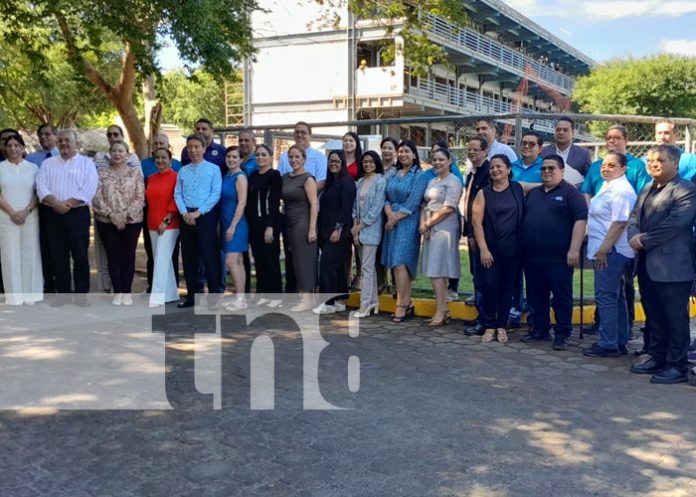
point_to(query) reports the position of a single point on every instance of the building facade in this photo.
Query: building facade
(324, 66)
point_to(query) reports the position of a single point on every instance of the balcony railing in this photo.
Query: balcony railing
(500, 54)
(466, 101)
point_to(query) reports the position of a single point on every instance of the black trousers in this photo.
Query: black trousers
(498, 286)
(666, 307)
(150, 263)
(69, 239)
(266, 261)
(49, 275)
(332, 274)
(201, 241)
(246, 261)
(545, 279)
(120, 248)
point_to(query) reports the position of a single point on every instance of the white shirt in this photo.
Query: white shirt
(315, 164)
(65, 179)
(496, 148)
(613, 203)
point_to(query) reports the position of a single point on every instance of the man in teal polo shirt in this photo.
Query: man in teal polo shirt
(636, 174)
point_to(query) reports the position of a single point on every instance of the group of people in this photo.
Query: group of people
(525, 220)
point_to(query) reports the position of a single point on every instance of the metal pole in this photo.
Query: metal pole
(582, 289)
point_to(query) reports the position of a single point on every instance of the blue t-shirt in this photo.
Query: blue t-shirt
(527, 174)
(149, 167)
(636, 174)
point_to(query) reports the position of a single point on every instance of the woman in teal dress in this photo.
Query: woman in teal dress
(234, 230)
(401, 244)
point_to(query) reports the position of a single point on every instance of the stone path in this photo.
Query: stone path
(437, 414)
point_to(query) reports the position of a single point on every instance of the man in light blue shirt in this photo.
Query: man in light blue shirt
(48, 139)
(315, 164)
(485, 128)
(665, 133)
(247, 144)
(196, 194)
(527, 169)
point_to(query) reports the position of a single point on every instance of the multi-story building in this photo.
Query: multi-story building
(314, 66)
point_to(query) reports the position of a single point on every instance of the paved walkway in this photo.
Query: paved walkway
(437, 414)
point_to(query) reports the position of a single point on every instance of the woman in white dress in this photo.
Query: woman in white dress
(19, 227)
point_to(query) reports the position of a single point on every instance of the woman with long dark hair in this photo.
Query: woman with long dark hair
(353, 152)
(335, 208)
(497, 221)
(367, 228)
(404, 193)
(263, 216)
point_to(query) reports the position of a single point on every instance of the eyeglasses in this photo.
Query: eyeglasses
(548, 168)
(114, 134)
(529, 144)
(301, 132)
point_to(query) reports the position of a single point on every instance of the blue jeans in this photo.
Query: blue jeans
(611, 301)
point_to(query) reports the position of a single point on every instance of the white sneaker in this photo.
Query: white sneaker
(339, 307)
(452, 296)
(118, 299)
(324, 309)
(127, 299)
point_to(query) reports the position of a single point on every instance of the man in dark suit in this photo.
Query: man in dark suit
(660, 231)
(577, 159)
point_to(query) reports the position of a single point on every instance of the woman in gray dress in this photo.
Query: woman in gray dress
(439, 226)
(299, 196)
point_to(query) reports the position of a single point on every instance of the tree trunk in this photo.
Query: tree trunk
(132, 123)
(150, 103)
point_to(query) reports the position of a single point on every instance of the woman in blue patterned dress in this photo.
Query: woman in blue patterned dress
(404, 193)
(234, 230)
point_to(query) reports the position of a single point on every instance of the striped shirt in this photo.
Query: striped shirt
(65, 179)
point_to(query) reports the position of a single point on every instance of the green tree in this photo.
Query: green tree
(661, 85)
(186, 99)
(214, 33)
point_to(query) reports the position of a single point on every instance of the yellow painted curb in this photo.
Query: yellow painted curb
(460, 310)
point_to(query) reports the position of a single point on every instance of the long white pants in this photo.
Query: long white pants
(20, 254)
(163, 281)
(368, 289)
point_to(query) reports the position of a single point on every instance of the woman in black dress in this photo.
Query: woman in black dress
(263, 216)
(335, 221)
(497, 220)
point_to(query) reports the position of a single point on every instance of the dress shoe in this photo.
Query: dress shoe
(477, 330)
(533, 337)
(669, 376)
(596, 350)
(651, 366)
(185, 304)
(560, 343)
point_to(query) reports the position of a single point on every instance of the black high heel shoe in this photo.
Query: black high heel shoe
(410, 312)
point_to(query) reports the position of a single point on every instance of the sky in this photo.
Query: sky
(617, 28)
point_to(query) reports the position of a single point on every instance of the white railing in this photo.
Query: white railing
(499, 53)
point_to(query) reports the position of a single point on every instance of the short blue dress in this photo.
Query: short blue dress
(228, 204)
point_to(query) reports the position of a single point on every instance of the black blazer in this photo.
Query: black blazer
(667, 228)
(336, 207)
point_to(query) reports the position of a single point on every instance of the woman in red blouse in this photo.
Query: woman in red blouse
(353, 151)
(163, 224)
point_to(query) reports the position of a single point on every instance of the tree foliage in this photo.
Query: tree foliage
(186, 99)
(215, 33)
(408, 20)
(661, 85)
